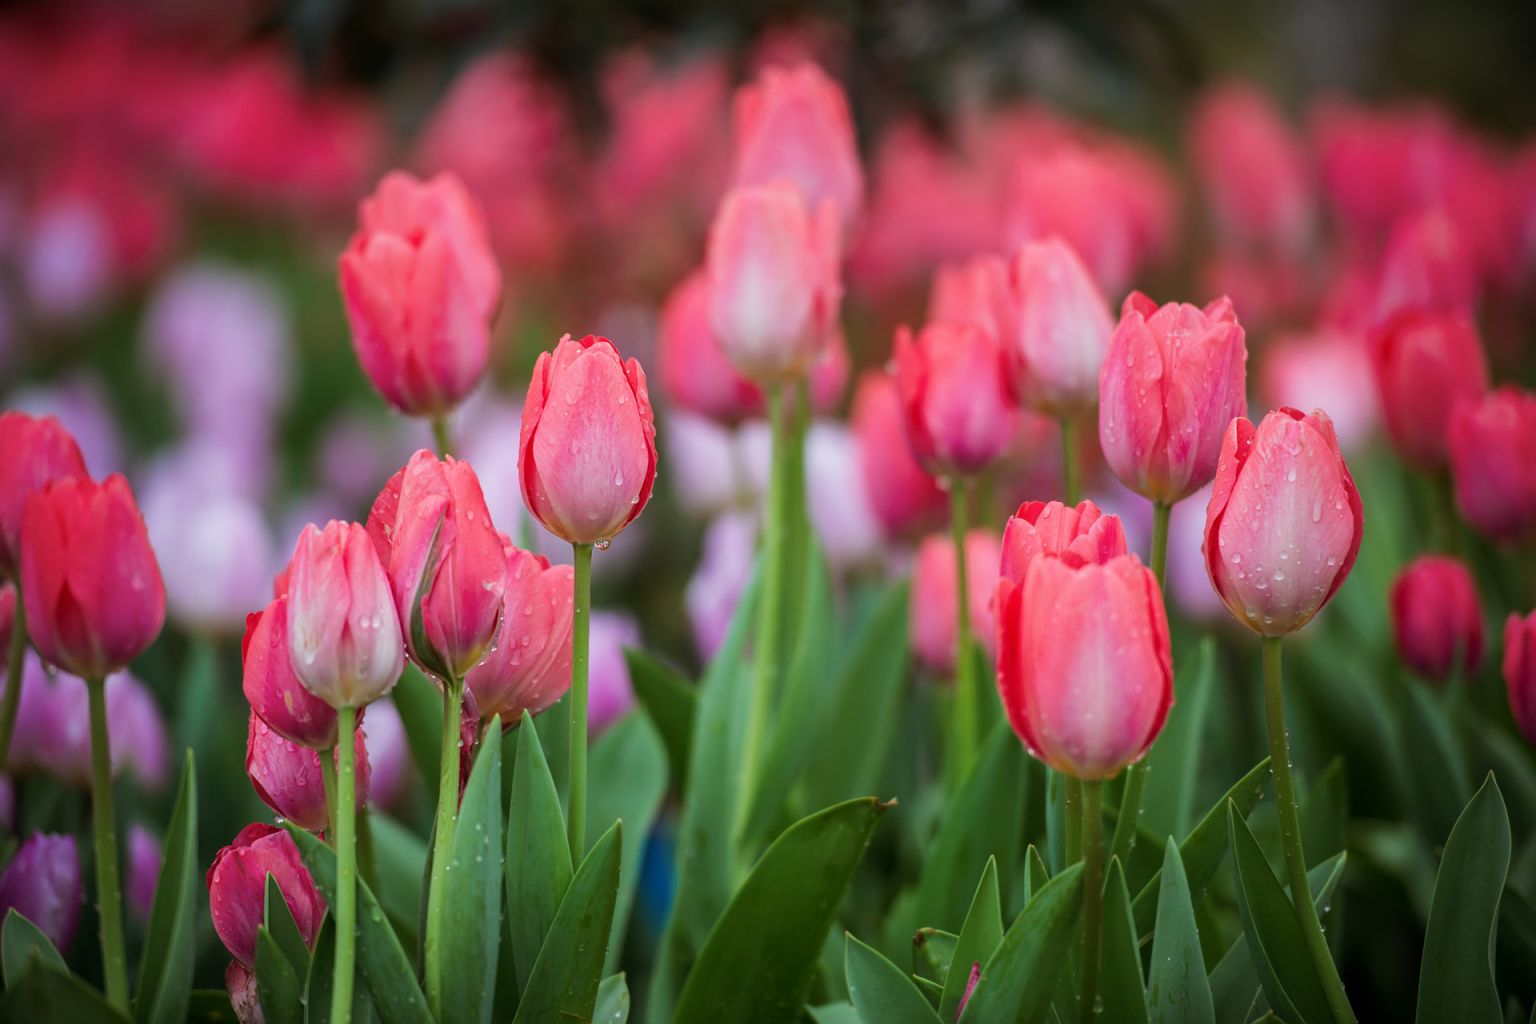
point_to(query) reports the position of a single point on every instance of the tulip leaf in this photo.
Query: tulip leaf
(881, 992)
(538, 853)
(1178, 991)
(834, 1013)
(472, 889)
(932, 952)
(1122, 991)
(569, 970)
(397, 868)
(1435, 762)
(278, 980)
(322, 978)
(421, 713)
(381, 962)
(1325, 814)
(210, 1006)
(47, 991)
(1203, 850)
(1017, 983)
(20, 942)
(170, 945)
(756, 965)
(1035, 873)
(979, 938)
(1456, 981)
(1173, 763)
(278, 920)
(670, 701)
(612, 1001)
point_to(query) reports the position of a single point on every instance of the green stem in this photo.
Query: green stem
(328, 779)
(963, 736)
(104, 825)
(1093, 891)
(576, 820)
(1069, 459)
(1073, 798)
(1290, 836)
(442, 839)
(15, 661)
(769, 615)
(344, 825)
(1159, 562)
(442, 438)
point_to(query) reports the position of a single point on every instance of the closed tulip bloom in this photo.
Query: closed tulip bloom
(244, 994)
(444, 559)
(273, 689)
(1174, 378)
(902, 496)
(1493, 462)
(931, 615)
(1323, 369)
(53, 732)
(1425, 363)
(37, 452)
(1084, 665)
(1436, 619)
(1427, 267)
(344, 639)
(955, 400)
(695, 373)
(237, 885)
(588, 441)
(973, 291)
(529, 667)
(42, 884)
(792, 124)
(1254, 168)
(89, 578)
(1284, 523)
(774, 289)
(1520, 671)
(420, 285)
(1060, 329)
(1078, 536)
(288, 777)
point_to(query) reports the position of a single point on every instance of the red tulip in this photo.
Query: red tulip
(1284, 523)
(1425, 363)
(1078, 536)
(237, 885)
(902, 496)
(288, 777)
(955, 401)
(1520, 671)
(932, 607)
(42, 884)
(273, 689)
(421, 287)
(1426, 268)
(588, 445)
(1060, 329)
(92, 588)
(344, 638)
(1174, 378)
(37, 452)
(444, 559)
(1436, 618)
(1493, 462)
(529, 667)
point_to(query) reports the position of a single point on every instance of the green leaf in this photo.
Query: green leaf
(566, 976)
(538, 853)
(979, 938)
(1035, 873)
(1203, 850)
(612, 1001)
(670, 701)
(279, 922)
(834, 1013)
(757, 962)
(1121, 989)
(399, 864)
(47, 992)
(627, 774)
(383, 966)
(1456, 980)
(278, 980)
(1436, 765)
(1173, 764)
(1325, 814)
(21, 942)
(1019, 980)
(880, 992)
(165, 973)
(322, 978)
(932, 952)
(1275, 940)
(473, 891)
(421, 712)
(1178, 991)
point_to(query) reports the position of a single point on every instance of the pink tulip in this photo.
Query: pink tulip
(273, 689)
(237, 886)
(528, 668)
(975, 292)
(1284, 523)
(1436, 619)
(215, 553)
(144, 860)
(42, 884)
(53, 728)
(344, 638)
(1426, 268)
(244, 994)
(1254, 169)
(38, 452)
(1493, 462)
(1060, 329)
(838, 503)
(612, 694)
(695, 373)
(1172, 381)
(1323, 369)
(902, 496)
(1520, 671)
(1425, 363)
(588, 441)
(931, 614)
(1078, 536)
(288, 777)
(774, 289)
(955, 401)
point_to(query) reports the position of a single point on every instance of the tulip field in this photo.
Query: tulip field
(824, 514)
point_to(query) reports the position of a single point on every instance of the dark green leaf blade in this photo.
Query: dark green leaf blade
(1178, 991)
(670, 701)
(473, 891)
(979, 938)
(278, 980)
(20, 942)
(538, 853)
(284, 930)
(881, 992)
(1122, 991)
(1019, 980)
(165, 973)
(47, 992)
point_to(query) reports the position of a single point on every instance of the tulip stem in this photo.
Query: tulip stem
(1161, 511)
(328, 778)
(15, 661)
(344, 822)
(1069, 459)
(1290, 836)
(581, 627)
(442, 838)
(1072, 799)
(104, 825)
(1093, 890)
(963, 721)
(442, 438)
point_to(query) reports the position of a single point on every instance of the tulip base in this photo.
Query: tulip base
(442, 837)
(15, 661)
(344, 825)
(442, 438)
(109, 898)
(581, 628)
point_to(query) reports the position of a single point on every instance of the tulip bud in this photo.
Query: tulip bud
(144, 860)
(955, 399)
(1323, 370)
(244, 994)
(903, 497)
(695, 373)
(1426, 267)
(1520, 671)
(774, 291)
(289, 778)
(931, 614)
(42, 884)
(89, 578)
(1436, 619)
(344, 639)
(529, 666)
(271, 687)
(1078, 536)
(237, 886)
(444, 559)
(1254, 169)
(1425, 363)
(1493, 462)
(53, 732)
(974, 292)
(1060, 329)
(1084, 664)
(1284, 523)
(588, 441)
(421, 286)
(37, 452)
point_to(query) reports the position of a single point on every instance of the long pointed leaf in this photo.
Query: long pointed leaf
(20, 942)
(473, 891)
(628, 779)
(538, 854)
(979, 938)
(881, 992)
(278, 980)
(1178, 991)
(165, 973)
(1123, 993)
(1019, 980)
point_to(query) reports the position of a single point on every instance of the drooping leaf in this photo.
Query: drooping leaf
(1178, 991)
(1121, 989)
(880, 992)
(472, 889)
(979, 938)
(1019, 980)
(165, 972)
(670, 701)
(627, 779)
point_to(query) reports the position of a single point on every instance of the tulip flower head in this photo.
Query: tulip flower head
(932, 607)
(1425, 363)
(1493, 463)
(902, 496)
(695, 374)
(1078, 536)
(1060, 328)
(273, 689)
(528, 668)
(237, 887)
(1436, 619)
(37, 452)
(973, 291)
(1284, 523)
(42, 884)
(1520, 671)
(288, 777)
(955, 400)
